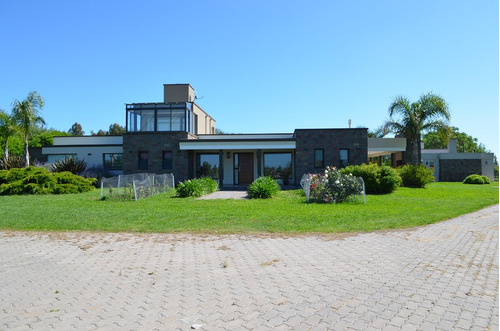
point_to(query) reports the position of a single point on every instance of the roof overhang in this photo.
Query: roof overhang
(196, 144)
(385, 146)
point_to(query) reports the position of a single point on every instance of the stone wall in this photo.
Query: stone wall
(458, 170)
(155, 143)
(331, 141)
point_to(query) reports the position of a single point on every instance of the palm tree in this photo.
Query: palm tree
(410, 119)
(27, 115)
(8, 128)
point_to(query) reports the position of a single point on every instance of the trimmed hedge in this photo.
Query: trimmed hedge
(197, 187)
(33, 180)
(477, 179)
(263, 188)
(378, 179)
(416, 176)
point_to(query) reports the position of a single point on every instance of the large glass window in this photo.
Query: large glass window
(113, 161)
(160, 117)
(208, 165)
(278, 165)
(319, 158)
(163, 120)
(343, 157)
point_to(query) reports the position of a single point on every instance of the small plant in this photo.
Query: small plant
(197, 187)
(263, 188)
(71, 164)
(416, 176)
(477, 179)
(13, 161)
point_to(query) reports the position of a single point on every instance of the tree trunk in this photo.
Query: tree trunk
(6, 150)
(26, 151)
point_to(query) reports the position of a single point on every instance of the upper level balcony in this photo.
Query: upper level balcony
(161, 117)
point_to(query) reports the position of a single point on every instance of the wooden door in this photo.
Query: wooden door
(245, 171)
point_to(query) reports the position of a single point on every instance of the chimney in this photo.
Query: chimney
(452, 146)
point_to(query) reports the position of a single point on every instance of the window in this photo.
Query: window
(167, 160)
(113, 161)
(143, 160)
(207, 165)
(51, 158)
(163, 117)
(343, 157)
(319, 158)
(278, 165)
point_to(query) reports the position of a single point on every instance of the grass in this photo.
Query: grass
(287, 213)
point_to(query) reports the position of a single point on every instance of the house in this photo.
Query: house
(177, 136)
(451, 166)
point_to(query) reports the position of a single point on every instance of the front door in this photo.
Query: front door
(243, 168)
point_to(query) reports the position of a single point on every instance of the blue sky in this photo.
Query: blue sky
(260, 66)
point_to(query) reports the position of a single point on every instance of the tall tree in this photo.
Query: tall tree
(76, 130)
(116, 130)
(8, 128)
(465, 142)
(27, 115)
(429, 112)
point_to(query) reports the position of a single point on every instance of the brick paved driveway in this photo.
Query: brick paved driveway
(442, 276)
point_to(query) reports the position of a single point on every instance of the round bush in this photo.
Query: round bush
(263, 188)
(477, 179)
(378, 180)
(416, 176)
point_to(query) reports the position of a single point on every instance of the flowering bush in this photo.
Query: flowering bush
(332, 186)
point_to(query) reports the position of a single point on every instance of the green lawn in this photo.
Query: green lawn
(288, 213)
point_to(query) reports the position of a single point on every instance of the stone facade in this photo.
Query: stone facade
(331, 141)
(457, 170)
(155, 143)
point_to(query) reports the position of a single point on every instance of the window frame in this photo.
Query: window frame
(341, 165)
(198, 165)
(322, 150)
(140, 165)
(112, 167)
(169, 165)
(279, 174)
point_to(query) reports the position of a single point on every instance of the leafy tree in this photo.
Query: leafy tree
(411, 119)
(465, 143)
(76, 130)
(27, 115)
(99, 133)
(116, 130)
(8, 128)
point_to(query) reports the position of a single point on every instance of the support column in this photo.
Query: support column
(259, 162)
(221, 168)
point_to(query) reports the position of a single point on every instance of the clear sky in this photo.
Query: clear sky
(260, 66)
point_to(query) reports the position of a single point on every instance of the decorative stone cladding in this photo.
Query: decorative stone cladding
(155, 143)
(331, 141)
(458, 170)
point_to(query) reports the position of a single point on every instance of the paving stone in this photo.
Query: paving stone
(441, 276)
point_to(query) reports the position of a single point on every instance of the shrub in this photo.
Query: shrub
(378, 180)
(71, 164)
(32, 180)
(263, 188)
(486, 180)
(197, 187)
(477, 179)
(334, 186)
(415, 175)
(97, 171)
(13, 161)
